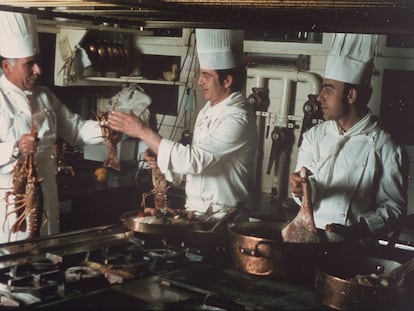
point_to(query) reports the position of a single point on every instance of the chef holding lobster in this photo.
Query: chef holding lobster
(31, 118)
(218, 163)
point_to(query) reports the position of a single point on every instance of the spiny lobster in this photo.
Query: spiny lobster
(159, 191)
(28, 197)
(111, 139)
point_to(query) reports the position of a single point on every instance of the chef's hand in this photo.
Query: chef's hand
(27, 144)
(349, 233)
(296, 184)
(129, 124)
(151, 158)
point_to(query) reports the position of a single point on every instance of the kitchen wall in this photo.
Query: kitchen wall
(286, 95)
(276, 182)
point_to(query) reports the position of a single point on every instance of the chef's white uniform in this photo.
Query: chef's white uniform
(218, 164)
(356, 174)
(51, 119)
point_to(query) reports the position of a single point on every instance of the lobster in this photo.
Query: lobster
(161, 208)
(27, 192)
(28, 198)
(18, 190)
(159, 191)
(111, 139)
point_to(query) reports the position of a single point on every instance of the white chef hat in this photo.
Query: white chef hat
(219, 48)
(18, 35)
(351, 58)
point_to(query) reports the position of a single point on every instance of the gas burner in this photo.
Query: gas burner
(79, 273)
(164, 255)
(206, 254)
(7, 300)
(69, 268)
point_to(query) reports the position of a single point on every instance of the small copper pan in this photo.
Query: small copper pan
(337, 288)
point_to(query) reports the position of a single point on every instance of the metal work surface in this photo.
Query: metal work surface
(110, 267)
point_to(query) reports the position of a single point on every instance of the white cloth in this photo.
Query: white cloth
(80, 62)
(356, 175)
(351, 58)
(18, 35)
(218, 164)
(131, 98)
(51, 119)
(219, 48)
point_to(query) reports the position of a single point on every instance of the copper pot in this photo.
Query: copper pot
(134, 223)
(199, 234)
(257, 248)
(336, 288)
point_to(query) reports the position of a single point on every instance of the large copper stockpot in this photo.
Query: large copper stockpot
(257, 248)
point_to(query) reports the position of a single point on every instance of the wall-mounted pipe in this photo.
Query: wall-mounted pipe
(261, 74)
(288, 77)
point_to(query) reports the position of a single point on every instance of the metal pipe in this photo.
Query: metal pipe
(287, 77)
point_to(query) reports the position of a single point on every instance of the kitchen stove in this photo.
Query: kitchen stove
(110, 267)
(102, 268)
(65, 267)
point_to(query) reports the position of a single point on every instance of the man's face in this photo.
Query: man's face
(212, 89)
(23, 72)
(332, 101)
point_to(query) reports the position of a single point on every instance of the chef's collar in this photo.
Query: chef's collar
(217, 108)
(361, 127)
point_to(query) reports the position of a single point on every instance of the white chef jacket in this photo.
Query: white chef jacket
(51, 119)
(218, 165)
(356, 174)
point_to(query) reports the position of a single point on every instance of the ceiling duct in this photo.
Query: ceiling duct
(368, 16)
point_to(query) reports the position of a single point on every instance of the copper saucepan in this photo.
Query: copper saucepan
(258, 248)
(337, 288)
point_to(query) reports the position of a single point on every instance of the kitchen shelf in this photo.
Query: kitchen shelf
(132, 80)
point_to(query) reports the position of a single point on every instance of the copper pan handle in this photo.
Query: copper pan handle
(255, 252)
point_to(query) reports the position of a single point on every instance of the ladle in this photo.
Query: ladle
(391, 278)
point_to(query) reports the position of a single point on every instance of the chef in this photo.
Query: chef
(218, 164)
(359, 182)
(23, 105)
